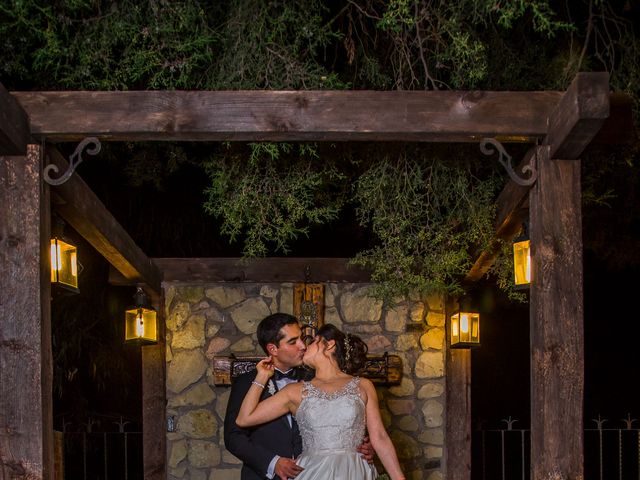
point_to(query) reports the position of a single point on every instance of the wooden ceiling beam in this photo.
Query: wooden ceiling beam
(573, 123)
(14, 125)
(259, 270)
(434, 116)
(84, 211)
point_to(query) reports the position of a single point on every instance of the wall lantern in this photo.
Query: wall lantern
(465, 327)
(140, 323)
(64, 260)
(522, 259)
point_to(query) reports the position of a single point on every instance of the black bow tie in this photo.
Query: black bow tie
(288, 374)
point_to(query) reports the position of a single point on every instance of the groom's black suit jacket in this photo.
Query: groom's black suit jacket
(257, 446)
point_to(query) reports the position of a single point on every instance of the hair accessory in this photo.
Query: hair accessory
(347, 347)
(258, 384)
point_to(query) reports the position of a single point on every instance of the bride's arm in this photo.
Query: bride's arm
(254, 412)
(378, 434)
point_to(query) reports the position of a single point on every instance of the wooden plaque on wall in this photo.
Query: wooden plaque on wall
(380, 369)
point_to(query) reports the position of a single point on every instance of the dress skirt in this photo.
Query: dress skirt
(335, 464)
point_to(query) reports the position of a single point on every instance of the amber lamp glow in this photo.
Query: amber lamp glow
(64, 264)
(465, 328)
(141, 321)
(522, 260)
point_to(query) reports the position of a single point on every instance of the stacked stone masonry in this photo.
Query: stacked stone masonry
(220, 319)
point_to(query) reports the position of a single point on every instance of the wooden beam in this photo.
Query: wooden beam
(557, 324)
(82, 209)
(458, 418)
(14, 125)
(579, 115)
(262, 270)
(26, 367)
(154, 400)
(442, 116)
(572, 125)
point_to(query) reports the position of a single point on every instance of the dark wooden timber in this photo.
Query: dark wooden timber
(442, 116)
(154, 399)
(572, 125)
(380, 369)
(580, 114)
(556, 318)
(458, 409)
(14, 125)
(82, 209)
(26, 418)
(264, 270)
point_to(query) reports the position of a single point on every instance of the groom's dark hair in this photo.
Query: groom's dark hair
(269, 329)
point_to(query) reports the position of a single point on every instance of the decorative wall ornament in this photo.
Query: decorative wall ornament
(308, 306)
(74, 160)
(487, 146)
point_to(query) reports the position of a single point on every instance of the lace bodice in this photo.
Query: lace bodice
(331, 421)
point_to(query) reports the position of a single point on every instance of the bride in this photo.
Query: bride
(332, 410)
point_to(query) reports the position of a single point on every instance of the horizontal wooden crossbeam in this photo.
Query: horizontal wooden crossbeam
(262, 270)
(434, 116)
(84, 211)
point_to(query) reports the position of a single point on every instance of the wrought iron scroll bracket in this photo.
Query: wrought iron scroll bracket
(92, 145)
(489, 146)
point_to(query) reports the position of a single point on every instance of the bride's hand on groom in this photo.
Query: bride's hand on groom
(265, 370)
(287, 468)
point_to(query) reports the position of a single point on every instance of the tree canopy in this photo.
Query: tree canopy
(425, 232)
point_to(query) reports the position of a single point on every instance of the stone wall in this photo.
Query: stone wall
(207, 320)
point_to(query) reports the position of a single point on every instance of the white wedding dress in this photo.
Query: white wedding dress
(332, 426)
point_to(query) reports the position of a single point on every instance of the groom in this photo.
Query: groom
(268, 451)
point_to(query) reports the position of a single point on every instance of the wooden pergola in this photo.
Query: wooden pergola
(559, 125)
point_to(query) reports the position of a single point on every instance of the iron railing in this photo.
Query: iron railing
(100, 455)
(610, 452)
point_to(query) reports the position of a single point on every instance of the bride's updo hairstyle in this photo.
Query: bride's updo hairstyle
(350, 352)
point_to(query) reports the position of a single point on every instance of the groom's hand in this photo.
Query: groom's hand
(287, 468)
(366, 450)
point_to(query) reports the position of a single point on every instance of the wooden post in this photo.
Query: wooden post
(458, 411)
(26, 415)
(556, 317)
(154, 399)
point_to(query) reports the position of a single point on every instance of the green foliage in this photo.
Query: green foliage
(428, 214)
(542, 16)
(275, 45)
(105, 45)
(281, 190)
(270, 195)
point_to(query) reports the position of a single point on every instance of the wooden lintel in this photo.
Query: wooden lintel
(573, 124)
(261, 270)
(14, 125)
(380, 369)
(442, 116)
(82, 209)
